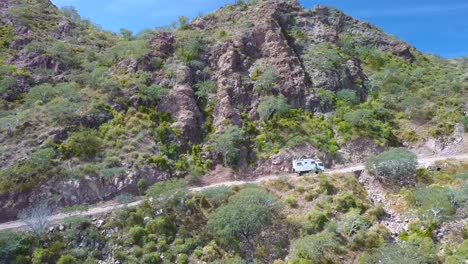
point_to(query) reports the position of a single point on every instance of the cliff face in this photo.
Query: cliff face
(152, 106)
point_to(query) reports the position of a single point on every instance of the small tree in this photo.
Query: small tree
(183, 22)
(407, 253)
(435, 203)
(247, 213)
(71, 13)
(85, 144)
(397, 164)
(265, 82)
(464, 122)
(271, 105)
(348, 96)
(170, 193)
(126, 34)
(36, 218)
(226, 144)
(319, 247)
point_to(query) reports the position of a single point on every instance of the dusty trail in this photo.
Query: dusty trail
(110, 206)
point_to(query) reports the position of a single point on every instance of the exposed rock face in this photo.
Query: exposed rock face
(282, 162)
(181, 104)
(87, 190)
(163, 44)
(256, 36)
(359, 150)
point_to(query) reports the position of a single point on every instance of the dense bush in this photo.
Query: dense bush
(352, 222)
(464, 122)
(397, 165)
(227, 144)
(149, 95)
(67, 259)
(136, 235)
(435, 203)
(348, 96)
(6, 36)
(322, 56)
(84, 143)
(320, 248)
(161, 225)
(246, 214)
(316, 221)
(265, 82)
(190, 49)
(170, 193)
(27, 174)
(293, 129)
(407, 252)
(202, 89)
(272, 105)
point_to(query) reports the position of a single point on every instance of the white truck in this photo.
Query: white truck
(307, 165)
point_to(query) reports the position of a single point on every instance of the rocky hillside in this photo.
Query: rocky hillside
(87, 114)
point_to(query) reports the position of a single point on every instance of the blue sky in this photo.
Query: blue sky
(439, 27)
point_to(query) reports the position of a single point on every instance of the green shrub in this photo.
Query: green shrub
(67, 259)
(291, 201)
(311, 195)
(170, 193)
(190, 49)
(26, 174)
(227, 144)
(217, 195)
(465, 232)
(359, 118)
(272, 105)
(151, 258)
(325, 186)
(161, 225)
(346, 200)
(376, 213)
(321, 247)
(141, 184)
(316, 221)
(135, 218)
(348, 95)
(246, 215)
(265, 82)
(6, 36)
(182, 258)
(43, 93)
(435, 203)
(85, 144)
(183, 22)
(203, 89)
(402, 253)
(464, 122)
(150, 95)
(322, 56)
(327, 98)
(136, 235)
(397, 165)
(11, 245)
(352, 223)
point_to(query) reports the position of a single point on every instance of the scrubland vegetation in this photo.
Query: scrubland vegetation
(86, 104)
(309, 219)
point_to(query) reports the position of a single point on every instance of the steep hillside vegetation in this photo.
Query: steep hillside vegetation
(88, 114)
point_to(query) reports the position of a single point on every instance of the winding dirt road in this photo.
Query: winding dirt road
(112, 205)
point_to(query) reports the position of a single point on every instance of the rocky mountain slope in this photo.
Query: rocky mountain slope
(87, 114)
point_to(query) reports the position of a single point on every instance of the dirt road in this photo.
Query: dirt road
(110, 206)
